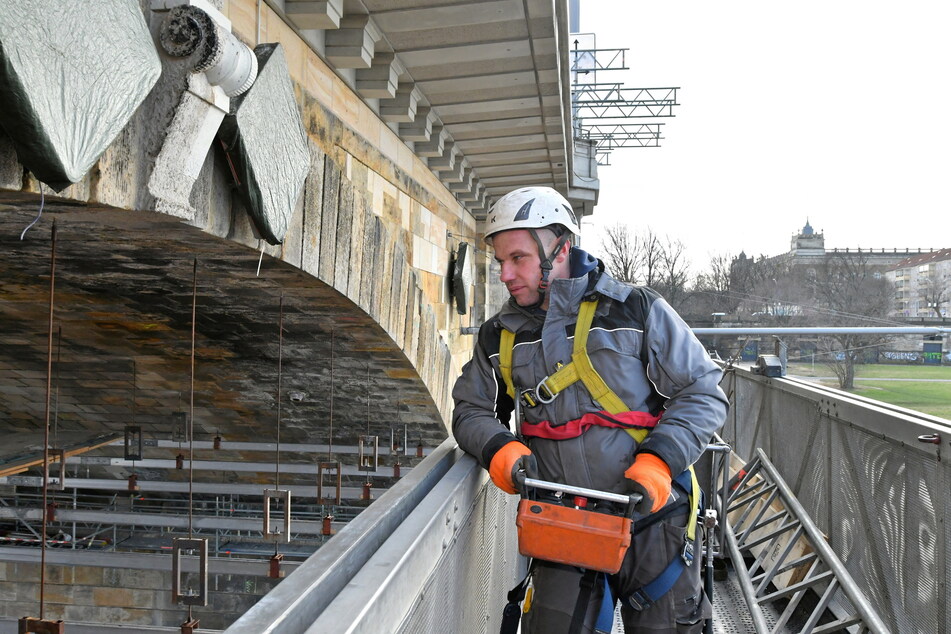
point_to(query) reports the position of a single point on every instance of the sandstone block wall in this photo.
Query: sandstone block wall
(373, 220)
(85, 594)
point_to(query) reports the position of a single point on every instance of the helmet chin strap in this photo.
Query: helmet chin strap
(546, 262)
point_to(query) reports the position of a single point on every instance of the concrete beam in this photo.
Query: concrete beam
(167, 520)
(353, 44)
(473, 195)
(226, 465)
(269, 447)
(465, 183)
(381, 80)
(308, 14)
(402, 107)
(446, 160)
(153, 486)
(456, 173)
(138, 561)
(435, 145)
(421, 128)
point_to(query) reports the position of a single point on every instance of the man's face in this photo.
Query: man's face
(517, 254)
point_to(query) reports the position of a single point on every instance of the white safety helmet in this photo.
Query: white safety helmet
(530, 208)
(534, 208)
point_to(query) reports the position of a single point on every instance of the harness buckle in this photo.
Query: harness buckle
(528, 398)
(687, 553)
(543, 393)
(639, 601)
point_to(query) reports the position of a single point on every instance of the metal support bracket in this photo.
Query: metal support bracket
(190, 627)
(133, 442)
(180, 594)
(332, 470)
(369, 453)
(271, 533)
(30, 624)
(59, 455)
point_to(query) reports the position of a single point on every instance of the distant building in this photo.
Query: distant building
(923, 284)
(922, 278)
(808, 247)
(807, 243)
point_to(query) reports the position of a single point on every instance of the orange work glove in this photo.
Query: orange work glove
(507, 461)
(650, 476)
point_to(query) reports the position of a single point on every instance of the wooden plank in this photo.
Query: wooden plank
(799, 549)
(36, 459)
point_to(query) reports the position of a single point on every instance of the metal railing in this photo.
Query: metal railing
(872, 478)
(775, 535)
(436, 553)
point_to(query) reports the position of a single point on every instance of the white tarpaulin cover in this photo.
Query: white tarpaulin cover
(265, 141)
(71, 75)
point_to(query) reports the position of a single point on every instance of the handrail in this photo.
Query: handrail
(298, 601)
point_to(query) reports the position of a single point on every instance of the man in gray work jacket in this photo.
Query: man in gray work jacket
(650, 362)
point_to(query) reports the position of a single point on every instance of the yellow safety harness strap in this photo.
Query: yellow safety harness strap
(694, 505)
(506, 345)
(598, 389)
(581, 368)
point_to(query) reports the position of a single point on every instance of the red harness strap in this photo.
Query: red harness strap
(574, 428)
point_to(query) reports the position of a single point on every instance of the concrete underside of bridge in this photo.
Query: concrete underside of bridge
(122, 356)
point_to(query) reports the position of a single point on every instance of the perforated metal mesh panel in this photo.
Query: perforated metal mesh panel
(881, 502)
(467, 591)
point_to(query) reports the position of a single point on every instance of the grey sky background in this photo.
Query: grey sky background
(839, 111)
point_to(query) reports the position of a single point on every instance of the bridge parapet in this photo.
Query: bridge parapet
(869, 474)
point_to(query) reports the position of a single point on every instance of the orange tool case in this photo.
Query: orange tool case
(574, 536)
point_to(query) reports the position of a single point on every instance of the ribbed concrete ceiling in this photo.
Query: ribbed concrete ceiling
(494, 78)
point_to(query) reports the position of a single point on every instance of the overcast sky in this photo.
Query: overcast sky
(839, 111)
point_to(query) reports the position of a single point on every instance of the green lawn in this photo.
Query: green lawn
(924, 396)
(877, 371)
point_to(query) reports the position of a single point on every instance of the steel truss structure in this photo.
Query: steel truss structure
(764, 513)
(613, 101)
(601, 111)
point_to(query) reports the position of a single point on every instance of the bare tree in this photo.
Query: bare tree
(935, 291)
(848, 292)
(647, 258)
(716, 284)
(622, 255)
(674, 271)
(651, 257)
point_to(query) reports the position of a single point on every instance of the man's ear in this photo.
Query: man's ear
(563, 252)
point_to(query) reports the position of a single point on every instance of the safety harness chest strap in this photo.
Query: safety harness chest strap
(580, 368)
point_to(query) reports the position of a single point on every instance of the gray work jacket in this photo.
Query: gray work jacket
(633, 327)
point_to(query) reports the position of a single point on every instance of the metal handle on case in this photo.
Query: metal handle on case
(630, 501)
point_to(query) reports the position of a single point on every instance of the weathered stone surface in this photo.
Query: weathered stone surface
(292, 249)
(11, 172)
(357, 240)
(370, 285)
(313, 206)
(328, 222)
(397, 299)
(211, 196)
(344, 230)
(386, 272)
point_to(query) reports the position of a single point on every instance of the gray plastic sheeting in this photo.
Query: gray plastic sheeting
(265, 142)
(71, 76)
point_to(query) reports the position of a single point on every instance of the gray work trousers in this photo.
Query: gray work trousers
(682, 610)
